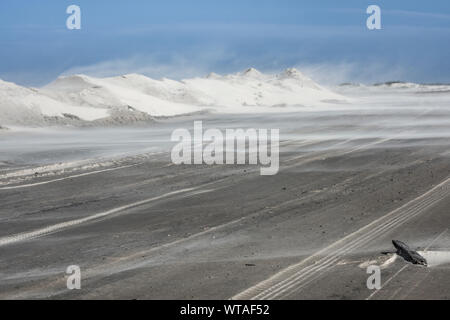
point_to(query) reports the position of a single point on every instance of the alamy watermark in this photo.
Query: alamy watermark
(374, 280)
(73, 22)
(233, 146)
(374, 20)
(74, 277)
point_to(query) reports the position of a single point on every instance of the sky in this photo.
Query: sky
(326, 39)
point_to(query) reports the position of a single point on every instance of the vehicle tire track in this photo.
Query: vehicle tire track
(67, 224)
(296, 276)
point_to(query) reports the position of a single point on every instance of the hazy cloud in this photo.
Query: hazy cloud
(356, 72)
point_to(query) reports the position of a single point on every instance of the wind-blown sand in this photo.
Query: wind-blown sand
(132, 98)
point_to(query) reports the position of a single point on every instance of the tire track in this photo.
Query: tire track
(64, 225)
(320, 155)
(324, 265)
(66, 178)
(298, 275)
(59, 169)
(331, 263)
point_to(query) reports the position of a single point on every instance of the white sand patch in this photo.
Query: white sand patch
(436, 258)
(368, 263)
(389, 261)
(383, 261)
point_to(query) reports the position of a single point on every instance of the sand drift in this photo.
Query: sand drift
(132, 98)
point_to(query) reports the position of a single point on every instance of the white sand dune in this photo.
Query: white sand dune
(84, 98)
(21, 105)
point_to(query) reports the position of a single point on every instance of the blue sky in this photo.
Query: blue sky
(327, 39)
